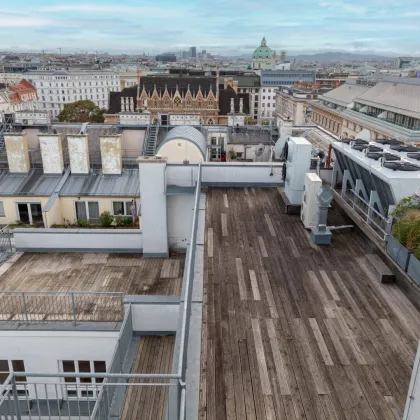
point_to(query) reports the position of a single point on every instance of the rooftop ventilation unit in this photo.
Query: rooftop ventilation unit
(378, 155)
(375, 149)
(359, 147)
(415, 156)
(404, 166)
(401, 148)
(390, 142)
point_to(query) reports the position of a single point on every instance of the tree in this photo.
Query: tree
(81, 112)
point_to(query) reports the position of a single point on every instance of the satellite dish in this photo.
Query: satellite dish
(259, 150)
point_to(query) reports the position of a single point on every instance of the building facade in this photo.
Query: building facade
(264, 57)
(386, 108)
(61, 87)
(271, 81)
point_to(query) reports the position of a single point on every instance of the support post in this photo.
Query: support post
(73, 305)
(25, 308)
(16, 399)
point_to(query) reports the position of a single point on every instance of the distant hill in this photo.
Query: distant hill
(339, 56)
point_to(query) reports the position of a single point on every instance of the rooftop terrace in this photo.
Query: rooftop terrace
(296, 331)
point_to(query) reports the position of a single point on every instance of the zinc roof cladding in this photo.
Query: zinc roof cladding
(35, 183)
(97, 184)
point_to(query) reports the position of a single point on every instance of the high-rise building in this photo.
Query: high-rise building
(193, 52)
(184, 55)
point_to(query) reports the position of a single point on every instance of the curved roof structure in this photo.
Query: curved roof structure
(187, 133)
(263, 51)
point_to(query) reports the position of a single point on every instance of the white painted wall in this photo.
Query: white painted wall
(180, 213)
(242, 173)
(182, 119)
(123, 240)
(179, 150)
(155, 317)
(181, 175)
(41, 351)
(17, 153)
(52, 154)
(153, 207)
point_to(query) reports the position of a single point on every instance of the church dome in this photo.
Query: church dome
(263, 51)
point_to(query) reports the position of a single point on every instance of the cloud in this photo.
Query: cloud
(162, 12)
(24, 22)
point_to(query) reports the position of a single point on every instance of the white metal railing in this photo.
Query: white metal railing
(380, 225)
(74, 307)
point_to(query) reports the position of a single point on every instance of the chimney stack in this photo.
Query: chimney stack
(111, 154)
(51, 153)
(17, 153)
(122, 104)
(78, 153)
(241, 105)
(232, 105)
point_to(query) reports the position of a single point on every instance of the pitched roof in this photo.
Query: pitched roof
(396, 97)
(345, 94)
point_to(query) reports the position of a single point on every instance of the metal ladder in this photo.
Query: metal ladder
(152, 140)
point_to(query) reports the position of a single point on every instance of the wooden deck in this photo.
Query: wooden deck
(95, 272)
(296, 331)
(154, 355)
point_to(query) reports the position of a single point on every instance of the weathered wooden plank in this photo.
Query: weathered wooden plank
(329, 323)
(241, 279)
(263, 249)
(224, 224)
(254, 285)
(321, 343)
(278, 359)
(209, 243)
(259, 349)
(270, 225)
(329, 285)
(225, 200)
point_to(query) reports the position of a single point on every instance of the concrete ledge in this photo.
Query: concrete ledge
(156, 255)
(116, 250)
(243, 184)
(60, 326)
(152, 300)
(78, 231)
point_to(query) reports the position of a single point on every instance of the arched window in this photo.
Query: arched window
(166, 103)
(210, 121)
(188, 103)
(177, 101)
(199, 103)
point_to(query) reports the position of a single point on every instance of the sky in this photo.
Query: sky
(226, 27)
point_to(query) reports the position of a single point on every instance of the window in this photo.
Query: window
(87, 210)
(122, 208)
(82, 387)
(7, 366)
(30, 213)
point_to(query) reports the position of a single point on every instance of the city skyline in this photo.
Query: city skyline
(222, 27)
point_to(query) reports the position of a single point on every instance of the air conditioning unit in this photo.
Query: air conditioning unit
(309, 209)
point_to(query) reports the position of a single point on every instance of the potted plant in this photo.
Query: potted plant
(405, 238)
(413, 269)
(232, 154)
(106, 219)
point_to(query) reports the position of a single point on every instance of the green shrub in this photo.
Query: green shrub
(82, 223)
(406, 205)
(106, 219)
(407, 232)
(124, 221)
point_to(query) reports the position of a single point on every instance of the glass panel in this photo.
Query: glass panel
(118, 208)
(84, 367)
(68, 366)
(19, 366)
(23, 213)
(128, 210)
(81, 210)
(93, 211)
(36, 211)
(4, 370)
(99, 367)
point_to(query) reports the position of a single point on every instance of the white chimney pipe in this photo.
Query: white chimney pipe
(241, 105)
(232, 105)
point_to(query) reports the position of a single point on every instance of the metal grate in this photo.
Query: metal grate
(75, 307)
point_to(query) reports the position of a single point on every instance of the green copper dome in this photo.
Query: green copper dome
(263, 51)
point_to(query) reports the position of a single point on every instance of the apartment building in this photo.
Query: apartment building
(60, 87)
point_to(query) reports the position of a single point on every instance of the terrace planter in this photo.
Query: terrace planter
(398, 252)
(414, 269)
